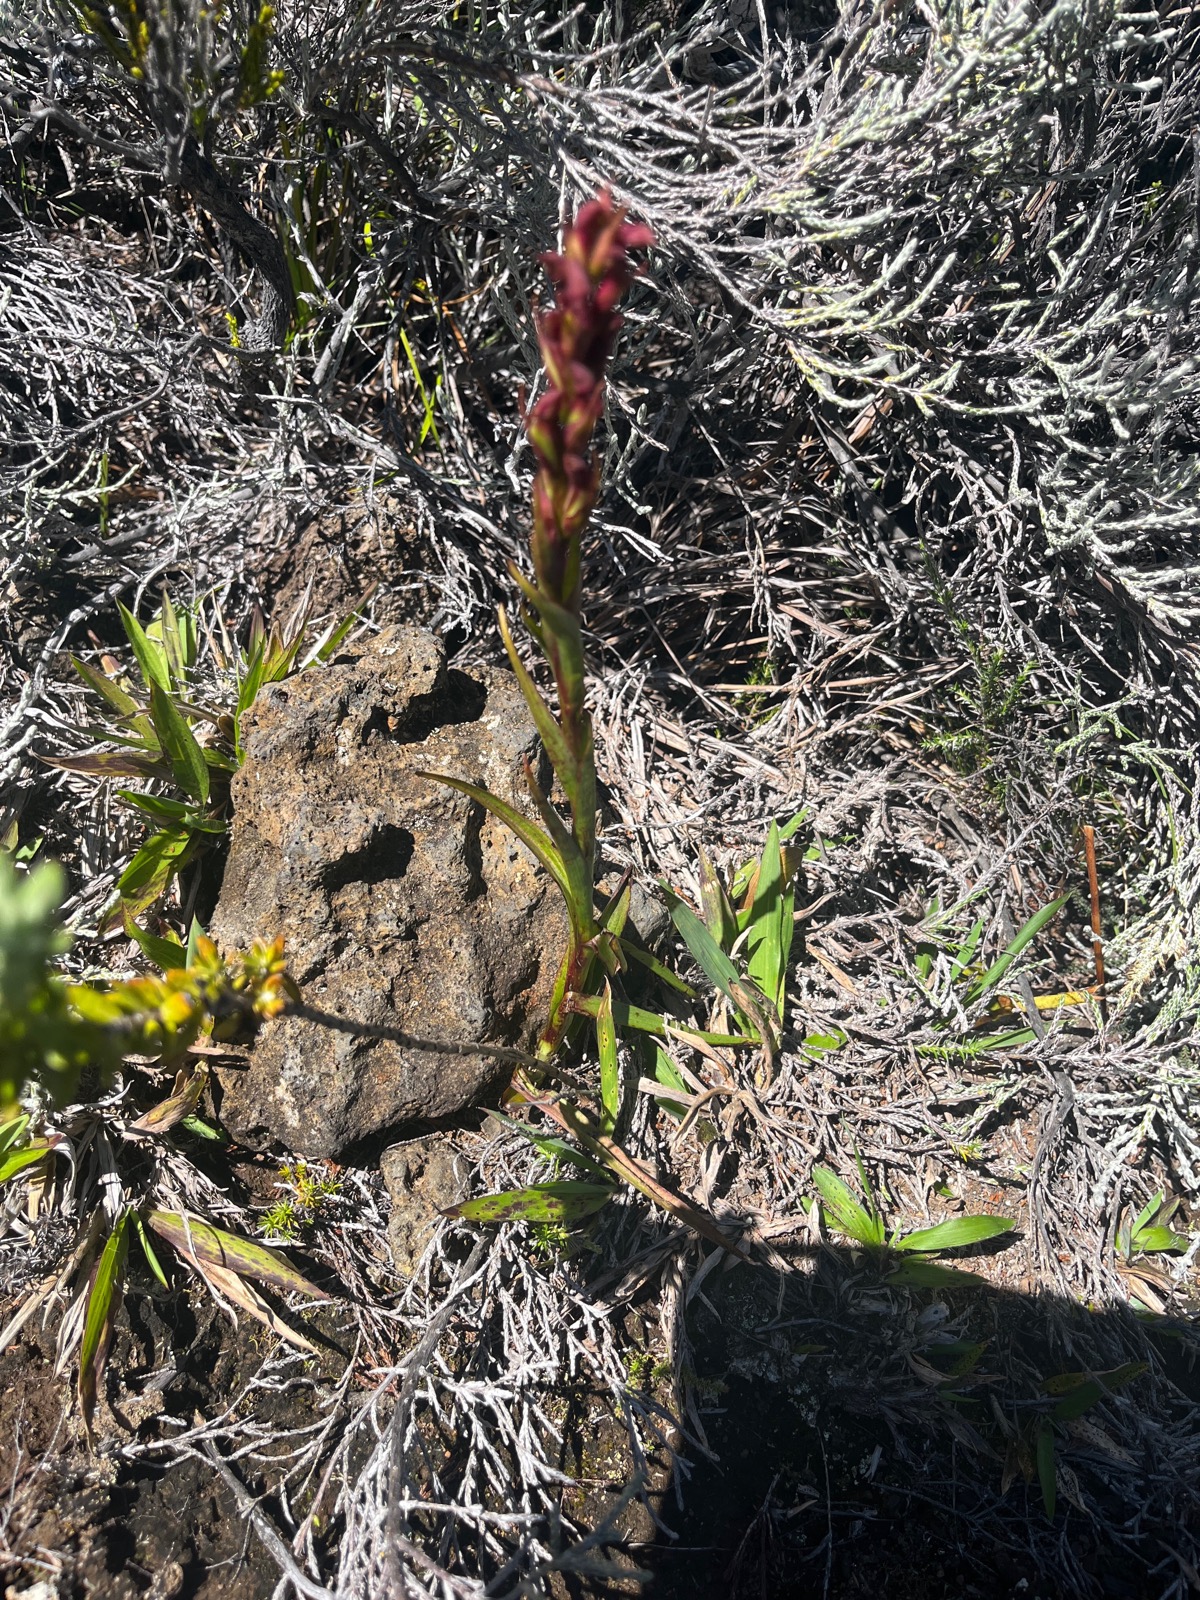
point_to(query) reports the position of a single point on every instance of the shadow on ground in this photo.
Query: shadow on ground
(870, 1440)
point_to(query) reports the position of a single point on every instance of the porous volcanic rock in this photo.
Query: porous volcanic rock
(402, 902)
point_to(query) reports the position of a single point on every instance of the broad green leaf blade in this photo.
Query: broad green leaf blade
(707, 953)
(555, 1149)
(919, 1274)
(1149, 1210)
(534, 840)
(1047, 1476)
(151, 660)
(954, 1234)
(1152, 1239)
(845, 1213)
(14, 1161)
(543, 1202)
(610, 1068)
(179, 744)
(204, 1130)
(97, 1321)
(204, 1245)
(147, 875)
(1027, 933)
(122, 703)
(816, 1045)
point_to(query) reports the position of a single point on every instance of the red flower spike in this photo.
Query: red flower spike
(589, 275)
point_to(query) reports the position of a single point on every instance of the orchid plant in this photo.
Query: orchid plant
(591, 275)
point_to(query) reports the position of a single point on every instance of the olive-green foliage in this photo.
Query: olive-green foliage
(40, 1038)
(173, 730)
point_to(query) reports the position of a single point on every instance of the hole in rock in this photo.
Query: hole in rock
(385, 856)
(458, 698)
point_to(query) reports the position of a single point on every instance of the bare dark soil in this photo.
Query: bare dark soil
(95, 1525)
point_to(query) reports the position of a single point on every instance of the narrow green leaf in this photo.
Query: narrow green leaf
(163, 809)
(543, 1202)
(97, 1321)
(168, 955)
(560, 636)
(1082, 1393)
(13, 1131)
(152, 1260)
(616, 913)
(1028, 932)
(576, 867)
(954, 1234)
(168, 631)
(719, 916)
(668, 1074)
(534, 840)
(792, 826)
(549, 732)
(610, 1069)
(845, 1213)
(14, 1161)
(966, 953)
(252, 679)
(627, 1016)
(152, 662)
(554, 1149)
(334, 636)
(707, 953)
(179, 745)
(765, 932)
(1047, 1476)
(122, 703)
(111, 764)
(205, 1245)
(195, 934)
(634, 952)
(917, 1273)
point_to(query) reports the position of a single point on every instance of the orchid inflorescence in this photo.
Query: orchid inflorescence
(591, 274)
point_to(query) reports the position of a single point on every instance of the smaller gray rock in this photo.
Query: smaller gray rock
(423, 1177)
